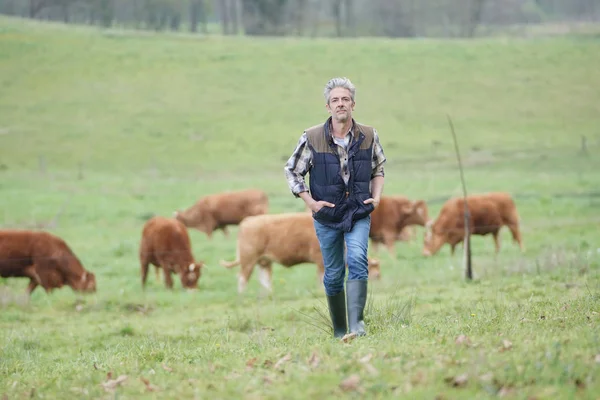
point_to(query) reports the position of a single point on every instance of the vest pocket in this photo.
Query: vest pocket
(362, 209)
(331, 214)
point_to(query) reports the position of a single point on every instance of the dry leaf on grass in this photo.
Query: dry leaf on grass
(351, 383)
(250, 363)
(166, 368)
(283, 360)
(267, 363)
(371, 369)
(417, 378)
(506, 345)
(463, 339)
(458, 381)
(366, 358)
(149, 387)
(232, 376)
(111, 384)
(488, 377)
(506, 391)
(314, 360)
(597, 358)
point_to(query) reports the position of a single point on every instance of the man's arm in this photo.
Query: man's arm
(377, 172)
(298, 166)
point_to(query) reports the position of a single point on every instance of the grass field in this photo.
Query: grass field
(101, 129)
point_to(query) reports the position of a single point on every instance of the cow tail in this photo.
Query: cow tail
(231, 264)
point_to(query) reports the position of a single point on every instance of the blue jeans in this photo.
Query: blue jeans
(332, 247)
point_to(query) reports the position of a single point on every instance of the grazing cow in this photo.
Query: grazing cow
(45, 259)
(166, 245)
(393, 218)
(488, 213)
(217, 211)
(287, 239)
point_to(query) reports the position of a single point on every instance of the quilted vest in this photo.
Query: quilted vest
(326, 182)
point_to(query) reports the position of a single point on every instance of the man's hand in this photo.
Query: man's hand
(374, 201)
(317, 205)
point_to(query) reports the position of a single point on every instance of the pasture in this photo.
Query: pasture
(99, 130)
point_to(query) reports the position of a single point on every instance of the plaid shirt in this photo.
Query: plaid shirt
(300, 163)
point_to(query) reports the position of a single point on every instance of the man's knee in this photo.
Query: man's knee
(358, 263)
(333, 287)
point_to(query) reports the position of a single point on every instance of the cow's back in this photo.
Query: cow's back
(230, 208)
(483, 216)
(166, 240)
(50, 254)
(287, 238)
(16, 251)
(505, 204)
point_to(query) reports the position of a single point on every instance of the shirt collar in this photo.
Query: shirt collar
(350, 130)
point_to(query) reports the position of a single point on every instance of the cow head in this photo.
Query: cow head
(197, 218)
(191, 274)
(415, 213)
(433, 240)
(87, 283)
(374, 270)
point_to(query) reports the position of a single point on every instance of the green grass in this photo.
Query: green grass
(111, 127)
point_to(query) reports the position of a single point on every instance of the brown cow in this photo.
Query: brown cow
(287, 239)
(216, 211)
(166, 245)
(393, 218)
(45, 259)
(488, 213)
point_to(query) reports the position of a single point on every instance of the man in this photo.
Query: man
(345, 161)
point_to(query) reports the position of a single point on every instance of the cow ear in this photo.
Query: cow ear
(420, 207)
(407, 209)
(191, 267)
(84, 277)
(429, 223)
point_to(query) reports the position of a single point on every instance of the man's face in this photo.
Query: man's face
(340, 104)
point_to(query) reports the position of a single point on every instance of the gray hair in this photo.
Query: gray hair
(342, 82)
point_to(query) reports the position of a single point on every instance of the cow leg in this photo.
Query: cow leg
(32, 285)
(34, 278)
(516, 234)
(265, 274)
(144, 272)
(157, 273)
(168, 279)
(388, 240)
(225, 231)
(246, 268)
(375, 246)
(452, 248)
(496, 241)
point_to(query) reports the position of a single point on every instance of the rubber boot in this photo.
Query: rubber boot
(337, 312)
(357, 299)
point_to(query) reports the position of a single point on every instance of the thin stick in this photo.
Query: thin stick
(467, 239)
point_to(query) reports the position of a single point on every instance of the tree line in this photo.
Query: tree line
(342, 18)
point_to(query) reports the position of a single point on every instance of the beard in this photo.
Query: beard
(341, 115)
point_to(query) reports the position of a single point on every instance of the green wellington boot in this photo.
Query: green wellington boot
(337, 312)
(357, 298)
